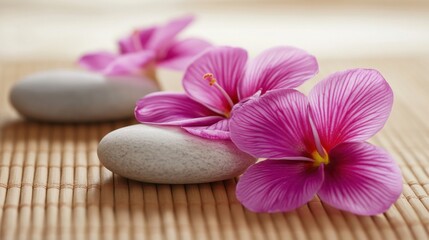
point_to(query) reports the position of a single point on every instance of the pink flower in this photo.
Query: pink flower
(145, 48)
(316, 145)
(217, 81)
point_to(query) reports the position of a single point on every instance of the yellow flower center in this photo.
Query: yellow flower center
(319, 159)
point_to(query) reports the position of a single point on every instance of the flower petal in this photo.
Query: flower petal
(136, 41)
(351, 105)
(278, 185)
(219, 130)
(227, 66)
(273, 126)
(275, 68)
(173, 109)
(164, 35)
(361, 179)
(96, 61)
(129, 64)
(183, 52)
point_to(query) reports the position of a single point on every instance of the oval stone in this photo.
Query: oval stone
(78, 96)
(170, 155)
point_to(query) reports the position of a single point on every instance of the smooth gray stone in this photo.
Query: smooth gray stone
(78, 96)
(170, 155)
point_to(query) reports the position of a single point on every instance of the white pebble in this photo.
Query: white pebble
(78, 96)
(170, 155)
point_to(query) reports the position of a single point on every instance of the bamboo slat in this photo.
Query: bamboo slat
(52, 185)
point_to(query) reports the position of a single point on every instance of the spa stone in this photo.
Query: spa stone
(170, 155)
(78, 96)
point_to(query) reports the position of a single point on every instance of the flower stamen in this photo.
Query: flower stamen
(317, 141)
(213, 82)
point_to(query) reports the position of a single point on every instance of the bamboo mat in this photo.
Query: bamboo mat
(52, 185)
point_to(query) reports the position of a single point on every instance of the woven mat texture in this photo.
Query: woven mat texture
(52, 185)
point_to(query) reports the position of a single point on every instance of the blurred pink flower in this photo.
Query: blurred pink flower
(146, 48)
(316, 145)
(220, 79)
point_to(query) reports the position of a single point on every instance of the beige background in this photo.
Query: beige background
(64, 29)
